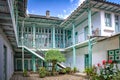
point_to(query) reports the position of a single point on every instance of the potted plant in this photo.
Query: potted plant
(25, 73)
(42, 72)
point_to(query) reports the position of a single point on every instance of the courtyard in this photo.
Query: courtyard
(19, 76)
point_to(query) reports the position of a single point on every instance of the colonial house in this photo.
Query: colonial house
(89, 35)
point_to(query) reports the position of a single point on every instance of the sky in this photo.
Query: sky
(57, 8)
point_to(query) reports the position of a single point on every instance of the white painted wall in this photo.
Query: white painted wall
(95, 24)
(104, 27)
(10, 53)
(98, 21)
(99, 53)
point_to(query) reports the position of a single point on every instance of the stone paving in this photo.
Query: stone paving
(60, 77)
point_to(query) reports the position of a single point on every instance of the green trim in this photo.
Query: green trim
(76, 33)
(34, 35)
(90, 41)
(74, 50)
(74, 57)
(34, 63)
(53, 37)
(86, 60)
(84, 20)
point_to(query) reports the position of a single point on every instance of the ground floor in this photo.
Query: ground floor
(103, 49)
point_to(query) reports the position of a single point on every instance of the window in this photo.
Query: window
(117, 27)
(108, 19)
(114, 55)
(86, 32)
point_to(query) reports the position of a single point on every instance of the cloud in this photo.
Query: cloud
(67, 12)
(27, 11)
(64, 11)
(71, 1)
(63, 16)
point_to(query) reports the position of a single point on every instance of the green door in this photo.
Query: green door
(5, 64)
(26, 64)
(19, 65)
(86, 60)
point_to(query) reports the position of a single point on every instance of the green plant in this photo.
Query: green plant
(25, 73)
(89, 71)
(42, 72)
(117, 76)
(107, 70)
(62, 71)
(54, 56)
(68, 70)
(75, 69)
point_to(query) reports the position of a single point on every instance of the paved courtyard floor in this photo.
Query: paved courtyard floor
(60, 77)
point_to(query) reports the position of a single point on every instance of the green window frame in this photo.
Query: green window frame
(117, 25)
(114, 55)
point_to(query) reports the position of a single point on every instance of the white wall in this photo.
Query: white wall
(10, 62)
(105, 30)
(99, 53)
(95, 24)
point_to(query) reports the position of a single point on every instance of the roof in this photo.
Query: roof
(21, 7)
(44, 17)
(40, 20)
(94, 4)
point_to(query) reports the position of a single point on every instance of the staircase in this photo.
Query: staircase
(40, 55)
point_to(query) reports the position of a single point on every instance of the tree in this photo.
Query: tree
(54, 56)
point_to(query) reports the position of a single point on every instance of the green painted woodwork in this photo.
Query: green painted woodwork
(73, 34)
(77, 25)
(114, 55)
(34, 35)
(5, 63)
(26, 64)
(53, 37)
(33, 63)
(90, 34)
(19, 65)
(74, 51)
(86, 60)
(37, 36)
(63, 38)
(40, 21)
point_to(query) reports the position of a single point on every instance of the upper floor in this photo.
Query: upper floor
(51, 32)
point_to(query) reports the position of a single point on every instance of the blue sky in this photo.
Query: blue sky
(57, 8)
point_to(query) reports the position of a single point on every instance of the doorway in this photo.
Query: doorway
(86, 61)
(5, 63)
